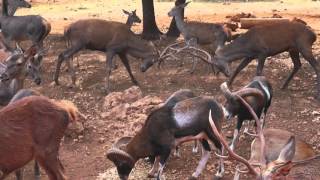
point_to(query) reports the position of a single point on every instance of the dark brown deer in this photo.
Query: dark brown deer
(275, 154)
(112, 38)
(264, 41)
(13, 6)
(22, 28)
(32, 128)
(165, 128)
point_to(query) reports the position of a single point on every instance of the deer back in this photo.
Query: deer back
(305, 171)
(276, 139)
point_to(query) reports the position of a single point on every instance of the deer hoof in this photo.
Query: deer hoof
(152, 175)
(56, 81)
(71, 86)
(317, 97)
(37, 177)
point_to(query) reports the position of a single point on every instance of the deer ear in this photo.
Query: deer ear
(134, 11)
(126, 12)
(185, 4)
(18, 48)
(21, 60)
(288, 151)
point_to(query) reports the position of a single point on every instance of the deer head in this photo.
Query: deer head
(233, 103)
(19, 3)
(132, 16)
(177, 10)
(122, 160)
(150, 60)
(21, 64)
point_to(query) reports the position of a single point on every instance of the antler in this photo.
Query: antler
(260, 136)
(164, 54)
(259, 129)
(225, 144)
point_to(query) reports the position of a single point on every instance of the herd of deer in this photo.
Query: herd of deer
(32, 125)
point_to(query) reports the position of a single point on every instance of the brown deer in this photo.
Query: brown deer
(111, 37)
(275, 154)
(32, 128)
(199, 33)
(264, 41)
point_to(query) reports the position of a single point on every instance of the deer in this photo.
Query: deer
(176, 97)
(259, 99)
(22, 93)
(17, 67)
(263, 41)
(166, 128)
(276, 154)
(22, 28)
(199, 33)
(32, 128)
(13, 6)
(112, 38)
(132, 18)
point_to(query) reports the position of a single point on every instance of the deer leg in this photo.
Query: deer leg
(307, 54)
(163, 159)
(110, 55)
(64, 56)
(260, 66)
(126, 64)
(19, 174)
(236, 134)
(177, 152)
(36, 170)
(296, 66)
(195, 147)
(220, 172)
(204, 159)
(153, 172)
(242, 65)
(219, 146)
(52, 165)
(193, 42)
(71, 72)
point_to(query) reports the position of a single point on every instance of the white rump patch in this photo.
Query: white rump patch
(184, 119)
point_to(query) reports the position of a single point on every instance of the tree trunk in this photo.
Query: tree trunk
(173, 29)
(150, 28)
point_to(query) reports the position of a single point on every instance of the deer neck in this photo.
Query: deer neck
(12, 10)
(16, 84)
(139, 48)
(129, 23)
(139, 147)
(180, 23)
(232, 52)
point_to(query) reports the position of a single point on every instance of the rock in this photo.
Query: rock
(132, 94)
(101, 140)
(74, 129)
(111, 100)
(315, 113)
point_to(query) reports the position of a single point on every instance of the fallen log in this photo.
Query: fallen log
(247, 23)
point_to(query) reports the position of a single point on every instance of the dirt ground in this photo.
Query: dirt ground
(293, 109)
